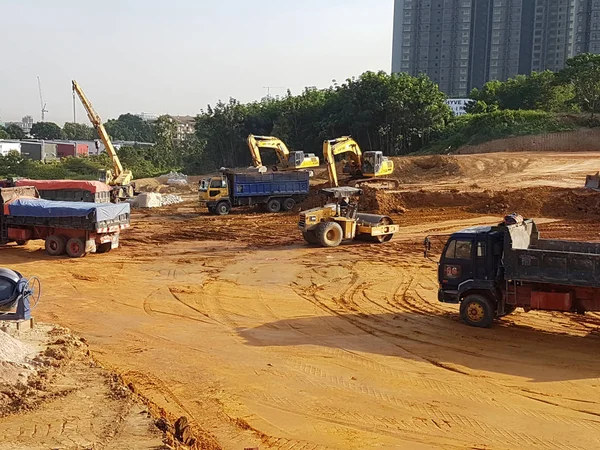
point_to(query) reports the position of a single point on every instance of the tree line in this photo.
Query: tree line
(397, 114)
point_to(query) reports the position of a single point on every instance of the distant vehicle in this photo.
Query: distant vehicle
(492, 270)
(65, 190)
(339, 220)
(74, 228)
(274, 191)
(121, 180)
(288, 160)
(367, 169)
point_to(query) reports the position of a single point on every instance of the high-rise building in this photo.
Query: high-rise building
(461, 44)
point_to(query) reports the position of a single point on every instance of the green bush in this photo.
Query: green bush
(473, 129)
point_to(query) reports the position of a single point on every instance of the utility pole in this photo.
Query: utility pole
(268, 88)
(42, 104)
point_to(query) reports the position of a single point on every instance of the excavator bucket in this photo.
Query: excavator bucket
(376, 183)
(593, 182)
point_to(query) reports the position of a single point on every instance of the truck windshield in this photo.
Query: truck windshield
(458, 249)
(204, 185)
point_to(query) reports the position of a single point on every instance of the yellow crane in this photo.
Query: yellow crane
(369, 166)
(120, 179)
(288, 160)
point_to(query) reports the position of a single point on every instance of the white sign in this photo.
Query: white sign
(457, 105)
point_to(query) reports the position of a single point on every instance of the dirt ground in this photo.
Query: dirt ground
(61, 398)
(264, 342)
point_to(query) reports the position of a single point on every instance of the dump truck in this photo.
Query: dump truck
(492, 270)
(65, 190)
(74, 228)
(276, 191)
(339, 220)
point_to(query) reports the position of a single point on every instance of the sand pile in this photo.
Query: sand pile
(14, 358)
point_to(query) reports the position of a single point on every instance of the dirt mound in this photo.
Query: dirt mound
(533, 202)
(416, 169)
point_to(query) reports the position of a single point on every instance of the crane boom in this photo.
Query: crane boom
(42, 104)
(97, 123)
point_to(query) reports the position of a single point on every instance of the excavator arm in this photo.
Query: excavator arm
(97, 123)
(255, 143)
(344, 144)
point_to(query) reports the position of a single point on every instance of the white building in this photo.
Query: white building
(9, 146)
(458, 105)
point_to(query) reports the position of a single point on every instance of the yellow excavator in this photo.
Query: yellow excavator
(366, 168)
(118, 178)
(288, 160)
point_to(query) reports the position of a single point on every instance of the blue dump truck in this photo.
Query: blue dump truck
(275, 191)
(74, 228)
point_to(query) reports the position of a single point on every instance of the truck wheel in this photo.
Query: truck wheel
(289, 204)
(75, 247)
(55, 245)
(329, 234)
(477, 311)
(211, 210)
(310, 237)
(273, 205)
(104, 248)
(222, 208)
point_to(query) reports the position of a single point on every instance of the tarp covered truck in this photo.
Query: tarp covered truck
(74, 228)
(275, 191)
(492, 270)
(69, 190)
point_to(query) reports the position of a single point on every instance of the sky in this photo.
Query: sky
(175, 57)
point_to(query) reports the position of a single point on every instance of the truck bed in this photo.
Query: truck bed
(264, 184)
(70, 190)
(529, 258)
(88, 216)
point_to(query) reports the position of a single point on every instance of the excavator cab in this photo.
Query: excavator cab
(376, 165)
(300, 160)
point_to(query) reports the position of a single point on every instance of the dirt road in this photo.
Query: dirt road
(264, 342)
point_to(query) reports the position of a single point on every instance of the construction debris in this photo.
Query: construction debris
(177, 179)
(156, 200)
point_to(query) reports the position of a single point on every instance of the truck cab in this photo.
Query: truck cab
(470, 256)
(214, 193)
(470, 268)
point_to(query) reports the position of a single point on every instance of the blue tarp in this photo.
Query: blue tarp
(35, 207)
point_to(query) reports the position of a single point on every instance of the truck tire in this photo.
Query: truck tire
(289, 204)
(75, 247)
(477, 311)
(310, 237)
(223, 208)
(104, 248)
(55, 245)
(273, 205)
(329, 234)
